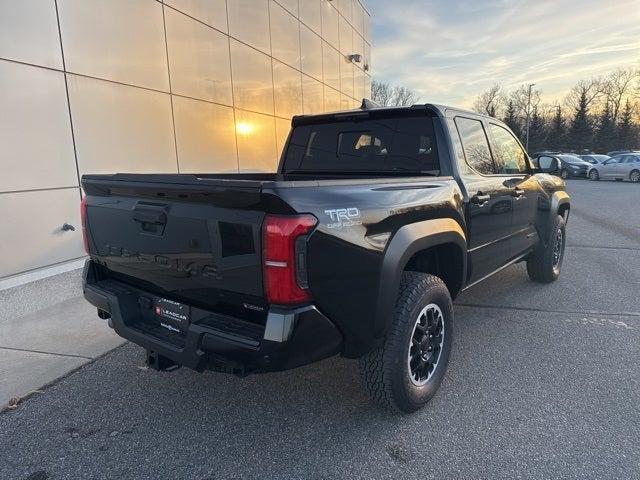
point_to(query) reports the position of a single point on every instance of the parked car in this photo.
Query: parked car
(374, 221)
(620, 167)
(595, 159)
(620, 152)
(568, 166)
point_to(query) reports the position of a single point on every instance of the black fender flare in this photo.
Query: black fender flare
(406, 242)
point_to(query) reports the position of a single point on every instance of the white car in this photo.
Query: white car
(620, 167)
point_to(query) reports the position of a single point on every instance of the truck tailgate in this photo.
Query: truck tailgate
(197, 242)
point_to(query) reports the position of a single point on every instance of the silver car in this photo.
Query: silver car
(620, 167)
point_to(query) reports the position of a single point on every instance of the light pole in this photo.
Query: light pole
(531, 85)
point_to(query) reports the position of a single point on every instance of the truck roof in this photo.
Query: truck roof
(369, 106)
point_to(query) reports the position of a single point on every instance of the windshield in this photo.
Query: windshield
(363, 144)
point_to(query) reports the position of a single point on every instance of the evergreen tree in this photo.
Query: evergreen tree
(537, 132)
(626, 137)
(581, 131)
(556, 138)
(605, 138)
(512, 121)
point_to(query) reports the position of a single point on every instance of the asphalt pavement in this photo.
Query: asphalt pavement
(544, 382)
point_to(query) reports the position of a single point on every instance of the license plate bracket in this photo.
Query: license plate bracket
(172, 315)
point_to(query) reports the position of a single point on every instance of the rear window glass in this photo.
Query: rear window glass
(396, 144)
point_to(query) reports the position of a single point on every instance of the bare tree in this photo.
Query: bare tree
(589, 91)
(381, 93)
(617, 86)
(404, 96)
(386, 95)
(490, 102)
(522, 102)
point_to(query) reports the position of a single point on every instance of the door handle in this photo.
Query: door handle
(517, 192)
(480, 199)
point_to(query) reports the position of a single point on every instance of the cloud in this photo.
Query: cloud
(451, 50)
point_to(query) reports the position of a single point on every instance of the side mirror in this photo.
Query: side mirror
(548, 165)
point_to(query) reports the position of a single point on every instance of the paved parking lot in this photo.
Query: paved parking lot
(544, 382)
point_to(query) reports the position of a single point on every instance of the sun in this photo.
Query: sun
(244, 128)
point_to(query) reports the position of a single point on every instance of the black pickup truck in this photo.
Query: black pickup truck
(376, 219)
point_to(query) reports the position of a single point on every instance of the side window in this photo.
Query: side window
(509, 156)
(475, 145)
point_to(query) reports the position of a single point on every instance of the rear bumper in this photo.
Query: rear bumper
(290, 338)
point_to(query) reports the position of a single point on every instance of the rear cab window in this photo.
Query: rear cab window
(386, 144)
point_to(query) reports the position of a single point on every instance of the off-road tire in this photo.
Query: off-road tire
(542, 265)
(386, 371)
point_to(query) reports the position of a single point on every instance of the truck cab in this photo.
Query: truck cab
(376, 219)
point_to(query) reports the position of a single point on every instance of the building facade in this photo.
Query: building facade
(103, 86)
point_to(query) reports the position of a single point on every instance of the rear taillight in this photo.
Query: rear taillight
(284, 257)
(83, 220)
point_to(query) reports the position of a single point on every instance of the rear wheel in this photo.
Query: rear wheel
(564, 173)
(545, 263)
(634, 176)
(405, 372)
(594, 175)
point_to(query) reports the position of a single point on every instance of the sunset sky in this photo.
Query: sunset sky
(450, 50)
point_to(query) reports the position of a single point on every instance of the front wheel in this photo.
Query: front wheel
(634, 176)
(405, 371)
(594, 175)
(545, 263)
(564, 174)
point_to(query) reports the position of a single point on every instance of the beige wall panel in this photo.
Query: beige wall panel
(346, 103)
(332, 100)
(358, 83)
(29, 32)
(310, 14)
(120, 128)
(198, 59)
(121, 40)
(205, 134)
(346, 38)
(249, 22)
(331, 60)
(252, 79)
(287, 90)
(285, 36)
(312, 96)
(256, 136)
(366, 21)
(311, 50)
(282, 132)
(345, 7)
(358, 17)
(330, 23)
(346, 77)
(35, 133)
(367, 86)
(35, 237)
(291, 5)
(211, 12)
